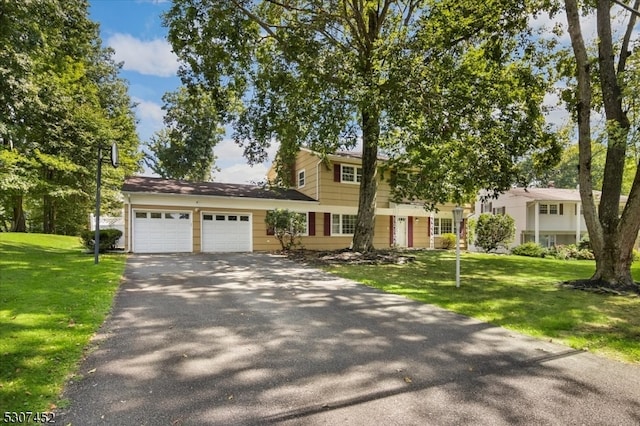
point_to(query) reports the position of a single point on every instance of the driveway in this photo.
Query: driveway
(255, 339)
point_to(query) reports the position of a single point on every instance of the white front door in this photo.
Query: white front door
(401, 231)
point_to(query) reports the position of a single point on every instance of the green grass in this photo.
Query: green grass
(518, 293)
(52, 300)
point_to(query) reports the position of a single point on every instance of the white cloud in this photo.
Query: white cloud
(152, 57)
(149, 115)
(233, 165)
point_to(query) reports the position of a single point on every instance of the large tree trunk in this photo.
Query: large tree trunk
(612, 236)
(18, 221)
(365, 223)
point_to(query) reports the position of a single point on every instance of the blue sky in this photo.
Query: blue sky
(134, 29)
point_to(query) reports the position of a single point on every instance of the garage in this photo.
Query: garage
(162, 232)
(226, 232)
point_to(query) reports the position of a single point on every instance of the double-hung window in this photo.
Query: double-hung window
(343, 224)
(301, 178)
(350, 174)
(442, 225)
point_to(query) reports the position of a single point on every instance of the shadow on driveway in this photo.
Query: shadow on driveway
(255, 339)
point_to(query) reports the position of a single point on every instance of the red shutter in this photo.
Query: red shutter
(312, 223)
(410, 232)
(327, 224)
(429, 226)
(336, 172)
(561, 208)
(391, 225)
(270, 231)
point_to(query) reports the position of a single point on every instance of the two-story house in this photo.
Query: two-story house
(175, 216)
(547, 216)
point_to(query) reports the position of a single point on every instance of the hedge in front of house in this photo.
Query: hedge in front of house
(108, 239)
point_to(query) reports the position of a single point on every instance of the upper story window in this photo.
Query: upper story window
(301, 178)
(551, 209)
(351, 174)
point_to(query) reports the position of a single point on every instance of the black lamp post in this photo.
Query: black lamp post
(114, 162)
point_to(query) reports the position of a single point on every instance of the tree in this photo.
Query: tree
(184, 148)
(324, 74)
(287, 226)
(494, 231)
(612, 235)
(73, 102)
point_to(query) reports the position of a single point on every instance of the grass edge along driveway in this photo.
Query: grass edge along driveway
(53, 298)
(518, 293)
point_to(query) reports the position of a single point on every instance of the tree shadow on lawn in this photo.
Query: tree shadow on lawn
(212, 340)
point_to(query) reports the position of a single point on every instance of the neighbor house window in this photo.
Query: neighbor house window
(351, 174)
(550, 209)
(343, 224)
(442, 225)
(301, 178)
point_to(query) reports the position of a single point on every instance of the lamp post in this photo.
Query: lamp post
(114, 160)
(457, 218)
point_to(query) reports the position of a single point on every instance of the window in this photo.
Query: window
(184, 216)
(141, 215)
(233, 218)
(500, 210)
(442, 225)
(244, 218)
(220, 217)
(343, 224)
(301, 178)
(156, 215)
(170, 215)
(351, 174)
(550, 209)
(207, 217)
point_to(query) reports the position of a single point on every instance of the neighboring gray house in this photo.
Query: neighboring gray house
(548, 216)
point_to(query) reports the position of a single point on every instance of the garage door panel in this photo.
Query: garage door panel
(226, 232)
(162, 232)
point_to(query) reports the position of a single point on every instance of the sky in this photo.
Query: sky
(133, 28)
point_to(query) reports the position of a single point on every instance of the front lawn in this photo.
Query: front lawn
(518, 293)
(52, 300)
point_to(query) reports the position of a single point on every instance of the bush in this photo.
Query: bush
(108, 239)
(571, 251)
(287, 226)
(530, 249)
(494, 231)
(448, 241)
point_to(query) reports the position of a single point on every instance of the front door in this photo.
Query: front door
(401, 231)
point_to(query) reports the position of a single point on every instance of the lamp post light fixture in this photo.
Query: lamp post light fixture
(457, 218)
(114, 160)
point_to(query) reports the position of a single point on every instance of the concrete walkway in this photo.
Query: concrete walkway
(257, 339)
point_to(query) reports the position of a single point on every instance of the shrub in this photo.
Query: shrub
(571, 251)
(494, 231)
(584, 244)
(448, 241)
(530, 249)
(287, 226)
(108, 239)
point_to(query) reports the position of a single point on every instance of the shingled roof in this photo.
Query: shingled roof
(143, 184)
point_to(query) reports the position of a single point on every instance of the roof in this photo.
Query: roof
(144, 184)
(553, 194)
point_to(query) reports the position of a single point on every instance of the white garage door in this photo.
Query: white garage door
(226, 232)
(162, 232)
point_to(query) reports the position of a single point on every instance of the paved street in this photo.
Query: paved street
(254, 338)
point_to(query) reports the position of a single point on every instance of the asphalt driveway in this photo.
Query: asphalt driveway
(256, 339)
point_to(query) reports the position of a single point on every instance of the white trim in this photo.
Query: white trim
(215, 202)
(304, 178)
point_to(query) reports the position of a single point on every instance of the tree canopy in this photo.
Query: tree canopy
(60, 98)
(443, 87)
